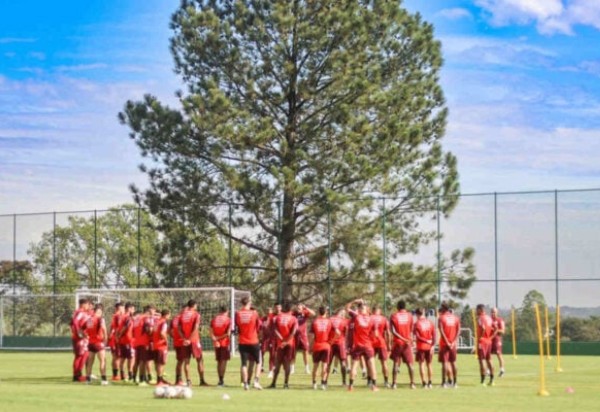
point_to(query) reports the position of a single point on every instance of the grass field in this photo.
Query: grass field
(41, 382)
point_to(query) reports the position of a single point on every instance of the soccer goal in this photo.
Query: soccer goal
(39, 321)
(209, 301)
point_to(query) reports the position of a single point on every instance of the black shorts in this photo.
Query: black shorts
(250, 353)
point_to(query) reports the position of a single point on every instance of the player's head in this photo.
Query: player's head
(245, 301)
(444, 307)
(377, 309)
(480, 309)
(401, 305)
(191, 304)
(286, 307)
(150, 309)
(322, 310)
(363, 308)
(222, 309)
(165, 313)
(300, 306)
(129, 307)
(419, 312)
(119, 307)
(277, 308)
(83, 303)
(98, 309)
(494, 312)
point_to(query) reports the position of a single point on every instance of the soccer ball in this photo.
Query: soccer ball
(186, 393)
(170, 392)
(159, 392)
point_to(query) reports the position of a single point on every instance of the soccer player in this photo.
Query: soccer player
(362, 345)
(302, 314)
(112, 339)
(498, 327)
(160, 345)
(380, 343)
(79, 339)
(178, 346)
(339, 324)
(485, 332)
(424, 331)
(266, 341)
(401, 325)
(95, 329)
(322, 330)
(143, 324)
(220, 332)
(247, 323)
(449, 327)
(125, 341)
(285, 326)
(189, 330)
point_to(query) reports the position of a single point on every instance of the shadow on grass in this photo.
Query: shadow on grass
(47, 380)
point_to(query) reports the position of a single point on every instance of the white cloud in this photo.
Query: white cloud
(61, 145)
(9, 40)
(455, 13)
(550, 16)
(81, 67)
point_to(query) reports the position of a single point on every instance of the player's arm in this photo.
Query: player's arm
(349, 305)
(214, 337)
(442, 334)
(309, 312)
(293, 333)
(396, 334)
(103, 330)
(164, 331)
(501, 328)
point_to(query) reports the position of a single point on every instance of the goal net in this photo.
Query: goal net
(37, 321)
(209, 301)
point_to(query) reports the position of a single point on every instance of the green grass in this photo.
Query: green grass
(41, 382)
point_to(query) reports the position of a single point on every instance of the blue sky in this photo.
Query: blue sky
(522, 81)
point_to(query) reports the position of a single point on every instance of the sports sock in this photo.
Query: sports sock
(351, 382)
(103, 377)
(115, 373)
(483, 378)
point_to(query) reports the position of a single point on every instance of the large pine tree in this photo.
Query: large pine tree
(301, 112)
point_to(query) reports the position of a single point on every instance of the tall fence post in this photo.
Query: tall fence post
(229, 248)
(329, 281)
(139, 246)
(95, 248)
(54, 273)
(556, 245)
(439, 252)
(384, 240)
(279, 262)
(496, 247)
(14, 273)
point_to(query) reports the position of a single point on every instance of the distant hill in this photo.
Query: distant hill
(571, 312)
(565, 312)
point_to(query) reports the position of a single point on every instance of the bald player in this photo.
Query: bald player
(484, 345)
(498, 328)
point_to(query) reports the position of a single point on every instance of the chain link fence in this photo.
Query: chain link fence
(543, 241)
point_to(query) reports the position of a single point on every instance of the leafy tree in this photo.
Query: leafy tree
(294, 110)
(17, 274)
(580, 330)
(526, 324)
(103, 253)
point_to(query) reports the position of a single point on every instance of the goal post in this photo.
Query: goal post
(209, 300)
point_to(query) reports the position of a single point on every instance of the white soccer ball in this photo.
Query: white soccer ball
(226, 397)
(170, 392)
(186, 393)
(159, 392)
